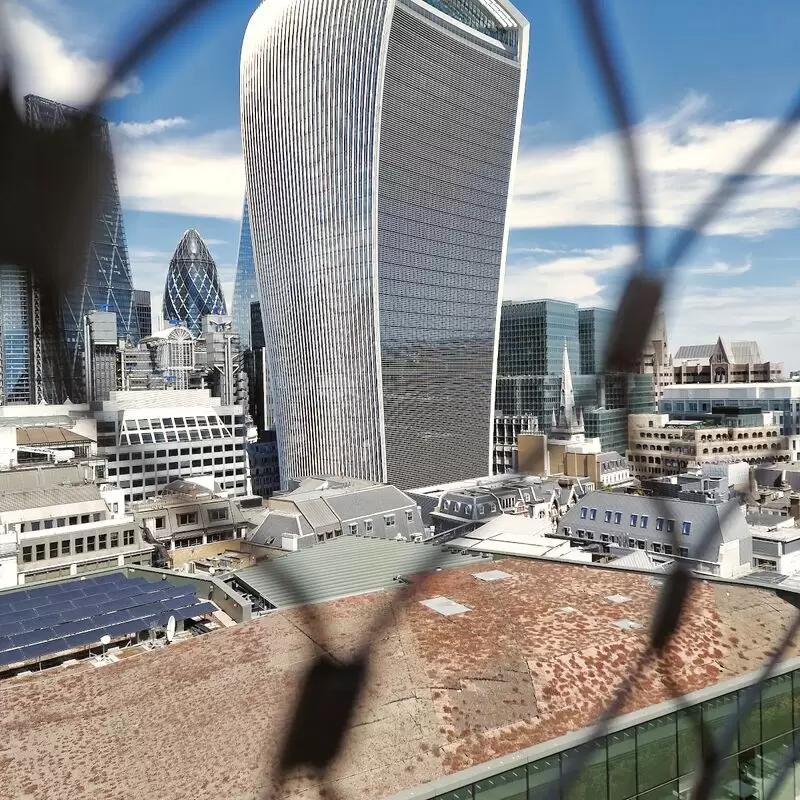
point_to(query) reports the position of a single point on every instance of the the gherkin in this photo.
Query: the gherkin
(192, 290)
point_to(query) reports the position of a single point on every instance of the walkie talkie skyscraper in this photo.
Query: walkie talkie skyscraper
(379, 140)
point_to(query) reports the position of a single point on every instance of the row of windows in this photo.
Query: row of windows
(641, 521)
(66, 547)
(173, 452)
(60, 522)
(661, 548)
(137, 469)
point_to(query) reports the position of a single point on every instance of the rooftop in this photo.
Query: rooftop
(44, 435)
(537, 654)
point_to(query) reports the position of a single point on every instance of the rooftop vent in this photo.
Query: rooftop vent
(491, 575)
(445, 606)
(568, 610)
(618, 598)
(627, 624)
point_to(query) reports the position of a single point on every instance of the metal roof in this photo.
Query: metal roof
(56, 496)
(366, 502)
(39, 478)
(49, 435)
(747, 352)
(318, 514)
(345, 566)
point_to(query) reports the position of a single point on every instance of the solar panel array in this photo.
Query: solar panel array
(47, 620)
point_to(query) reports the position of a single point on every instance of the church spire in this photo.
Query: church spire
(568, 423)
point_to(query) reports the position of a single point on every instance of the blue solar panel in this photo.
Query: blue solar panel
(8, 628)
(72, 627)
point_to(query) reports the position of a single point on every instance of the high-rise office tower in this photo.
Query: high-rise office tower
(539, 339)
(144, 312)
(20, 348)
(106, 284)
(192, 290)
(245, 288)
(379, 139)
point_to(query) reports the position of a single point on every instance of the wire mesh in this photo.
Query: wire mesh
(36, 167)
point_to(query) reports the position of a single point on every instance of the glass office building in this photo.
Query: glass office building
(532, 337)
(192, 290)
(144, 312)
(378, 209)
(106, 284)
(17, 345)
(652, 754)
(594, 331)
(245, 287)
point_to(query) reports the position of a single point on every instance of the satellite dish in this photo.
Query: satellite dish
(170, 628)
(211, 570)
(105, 640)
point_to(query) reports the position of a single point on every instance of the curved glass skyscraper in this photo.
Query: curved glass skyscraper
(245, 289)
(192, 289)
(379, 140)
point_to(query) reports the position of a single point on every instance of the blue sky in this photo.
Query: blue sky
(708, 79)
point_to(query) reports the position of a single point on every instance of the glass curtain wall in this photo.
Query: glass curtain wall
(656, 760)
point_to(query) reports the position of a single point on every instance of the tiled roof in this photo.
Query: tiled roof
(537, 655)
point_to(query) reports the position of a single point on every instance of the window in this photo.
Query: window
(115, 539)
(53, 549)
(79, 544)
(656, 547)
(368, 525)
(593, 513)
(580, 533)
(659, 523)
(607, 516)
(39, 552)
(217, 514)
(102, 541)
(634, 520)
(353, 528)
(35, 526)
(631, 542)
(84, 519)
(60, 522)
(670, 525)
(617, 518)
(48, 523)
(684, 552)
(73, 520)
(667, 549)
(644, 519)
(590, 534)
(640, 544)
(686, 528)
(389, 520)
(90, 544)
(409, 516)
(583, 513)
(603, 537)
(159, 523)
(189, 518)
(27, 554)
(127, 537)
(65, 544)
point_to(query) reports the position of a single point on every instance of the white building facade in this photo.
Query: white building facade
(379, 140)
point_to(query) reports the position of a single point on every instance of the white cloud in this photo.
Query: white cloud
(720, 268)
(563, 275)
(198, 176)
(45, 64)
(138, 130)
(684, 156)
